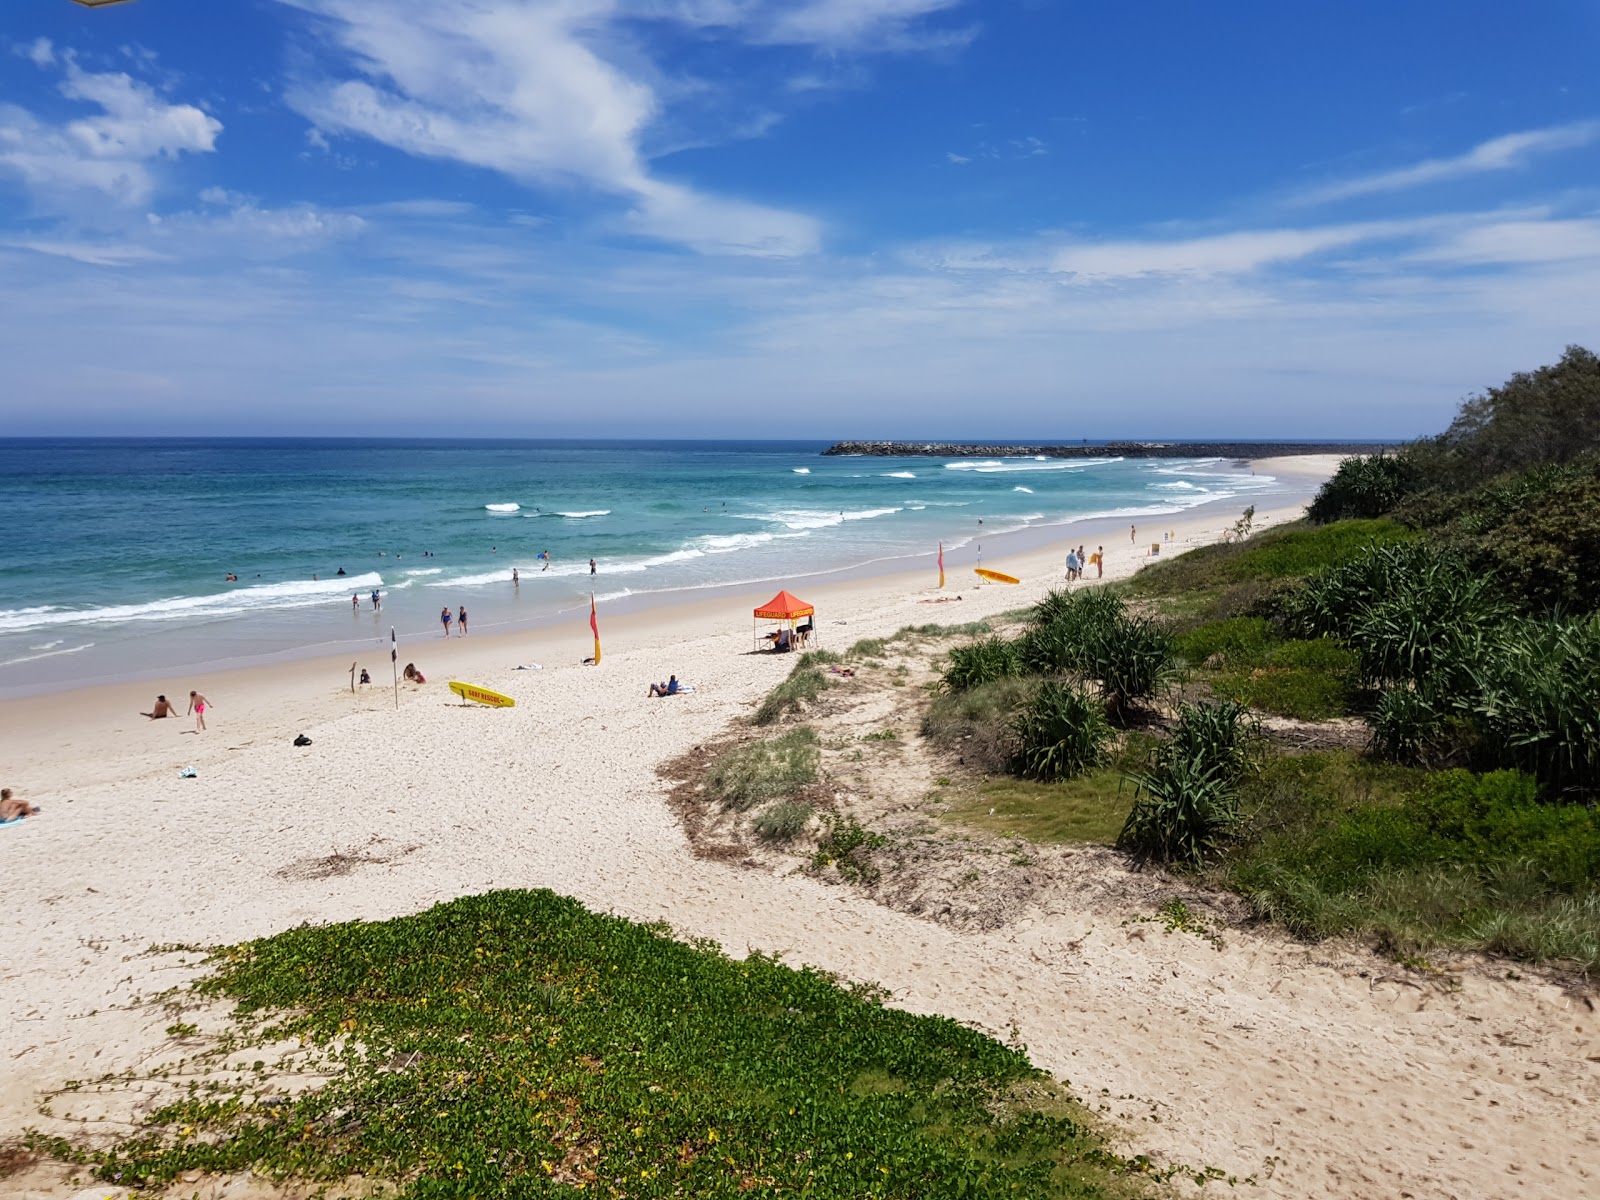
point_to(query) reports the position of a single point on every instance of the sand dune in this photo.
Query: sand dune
(1317, 1070)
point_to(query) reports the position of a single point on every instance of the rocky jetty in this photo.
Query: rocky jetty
(1105, 449)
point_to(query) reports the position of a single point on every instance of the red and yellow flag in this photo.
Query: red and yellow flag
(594, 624)
(941, 564)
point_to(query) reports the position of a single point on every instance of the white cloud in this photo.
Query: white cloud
(958, 159)
(1498, 154)
(846, 23)
(40, 52)
(108, 152)
(96, 254)
(522, 87)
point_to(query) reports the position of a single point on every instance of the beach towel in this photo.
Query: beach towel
(187, 773)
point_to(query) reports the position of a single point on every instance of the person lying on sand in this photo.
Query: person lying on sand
(669, 688)
(12, 809)
(163, 708)
(940, 600)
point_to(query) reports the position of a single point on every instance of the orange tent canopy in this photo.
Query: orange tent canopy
(784, 607)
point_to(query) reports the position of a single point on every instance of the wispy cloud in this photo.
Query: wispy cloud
(1511, 151)
(108, 152)
(525, 89)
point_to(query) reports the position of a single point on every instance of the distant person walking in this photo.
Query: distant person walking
(461, 622)
(591, 566)
(375, 599)
(444, 619)
(1133, 533)
(355, 603)
(516, 580)
(197, 706)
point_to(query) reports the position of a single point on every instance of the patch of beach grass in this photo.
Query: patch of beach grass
(757, 772)
(783, 821)
(1091, 808)
(802, 688)
(517, 1044)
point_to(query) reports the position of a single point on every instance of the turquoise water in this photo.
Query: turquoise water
(118, 550)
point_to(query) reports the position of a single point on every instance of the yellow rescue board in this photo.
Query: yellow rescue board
(997, 576)
(481, 695)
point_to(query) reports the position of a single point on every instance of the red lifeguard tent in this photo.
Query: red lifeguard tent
(786, 608)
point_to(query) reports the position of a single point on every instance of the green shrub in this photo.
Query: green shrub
(1410, 726)
(783, 821)
(760, 771)
(869, 648)
(1536, 701)
(1363, 488)
(803, 686)
(968, 629)
(1130, 660)
(817, 658)
(1221, 735)
(1062, 733)
(1086, 606)
(1182, 814)
(980, 663)
(546, 1034)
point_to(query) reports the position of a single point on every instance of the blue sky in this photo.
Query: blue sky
(930, 218)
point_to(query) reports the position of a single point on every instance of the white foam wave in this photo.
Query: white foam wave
(1020, 488)
(47, 645)
(504, 508)
(990, 467)
(1181, 485)
(808, 518)
(427, 571)
(297, 593)
(801, 470)
(899, 475)
(48, 653)
(597, 512)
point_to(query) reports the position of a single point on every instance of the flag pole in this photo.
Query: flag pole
(394, 663)
(594, 625)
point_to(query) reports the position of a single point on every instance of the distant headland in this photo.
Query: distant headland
(1101, 449)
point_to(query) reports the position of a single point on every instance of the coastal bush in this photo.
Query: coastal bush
(1062, 733)
(802, 688)
(1307, 680)
(1410, 726)
(968, 629)
(1535, 700)
(981, 663)
(1235, 643)
(783, 821)
(1084, 607)
(1474, 861)
(760, 771)
(1130, 660)
(517, 1044)
(1186, 801)
(1364, 487)
(817, 658)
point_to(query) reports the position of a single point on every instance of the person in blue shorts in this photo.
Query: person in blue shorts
(444, 619)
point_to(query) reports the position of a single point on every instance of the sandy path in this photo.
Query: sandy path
(1264, 1057)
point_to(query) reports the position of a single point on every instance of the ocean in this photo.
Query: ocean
(118, 550)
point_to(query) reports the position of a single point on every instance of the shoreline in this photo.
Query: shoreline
(1298, 471)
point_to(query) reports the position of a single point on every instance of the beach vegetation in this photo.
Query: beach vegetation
(801, 689)
(847, 846)
(868, 648)
(1062, 733)
(1087, 809)
(1365, 487)
(516, 1043)
(981, 663)
(782, 821)
(1186, 800)
(769, 769)
(975, 722)
(817, 658)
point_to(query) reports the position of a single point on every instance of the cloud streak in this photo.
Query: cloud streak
(1506, 153)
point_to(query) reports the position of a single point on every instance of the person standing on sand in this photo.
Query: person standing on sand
(461, 622)
(197, 706)
(444, 619)
(1072, 565)
(1099, 562)
(1133, 533)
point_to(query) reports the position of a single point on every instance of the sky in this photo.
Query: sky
(814, 219)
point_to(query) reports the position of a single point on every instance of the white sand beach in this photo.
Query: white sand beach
(1323, 1070)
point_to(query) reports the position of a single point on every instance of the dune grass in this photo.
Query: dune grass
(517, 1044)
(1089, 809)
(803, 686)
(761, 771)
